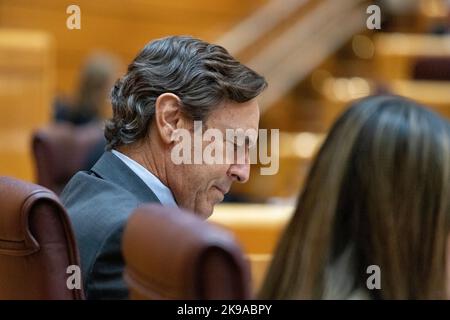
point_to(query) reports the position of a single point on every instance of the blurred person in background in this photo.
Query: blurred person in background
(378, 194)
(90, 100)
(90, 104)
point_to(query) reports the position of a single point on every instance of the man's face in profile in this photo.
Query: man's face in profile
(199, 187)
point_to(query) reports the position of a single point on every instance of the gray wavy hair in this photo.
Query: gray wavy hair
(202, 75)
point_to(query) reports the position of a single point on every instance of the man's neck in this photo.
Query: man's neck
(143, 153)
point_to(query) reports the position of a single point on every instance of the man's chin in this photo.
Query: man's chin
(206, 211)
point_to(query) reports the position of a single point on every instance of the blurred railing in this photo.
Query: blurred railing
(286, 40)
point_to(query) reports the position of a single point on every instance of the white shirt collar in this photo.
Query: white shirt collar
(163, 193)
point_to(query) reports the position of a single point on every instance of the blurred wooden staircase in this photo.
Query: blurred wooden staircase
(286, 39)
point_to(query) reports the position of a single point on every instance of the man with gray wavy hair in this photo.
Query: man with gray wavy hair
(172, 83)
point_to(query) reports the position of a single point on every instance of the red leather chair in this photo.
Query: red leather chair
(36, 244)
(172, 254)
(431, 68)
(61, 150)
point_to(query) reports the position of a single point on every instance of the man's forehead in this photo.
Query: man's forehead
(244, 116)
(233, 131)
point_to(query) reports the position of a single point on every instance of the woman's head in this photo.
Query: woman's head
(378, 194)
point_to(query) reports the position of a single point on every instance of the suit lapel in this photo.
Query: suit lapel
(111, 168)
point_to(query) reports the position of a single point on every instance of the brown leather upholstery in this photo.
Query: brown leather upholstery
(60, 150)
(431, 68)
(36, 243)
(172, 254)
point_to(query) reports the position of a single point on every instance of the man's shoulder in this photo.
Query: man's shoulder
(84, 182)
(88, 196)
(98, 210)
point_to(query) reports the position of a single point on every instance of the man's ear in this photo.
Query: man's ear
(167, 115)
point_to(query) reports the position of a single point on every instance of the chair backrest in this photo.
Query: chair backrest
(431, 68)
(61, 150)
(173, 254)
(36, 244)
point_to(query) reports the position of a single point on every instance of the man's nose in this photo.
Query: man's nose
(239, 172)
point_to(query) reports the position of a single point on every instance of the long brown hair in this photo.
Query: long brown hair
(379, 188)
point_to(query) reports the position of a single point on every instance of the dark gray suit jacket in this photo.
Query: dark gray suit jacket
(99, 202)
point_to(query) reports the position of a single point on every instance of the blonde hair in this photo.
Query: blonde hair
(379, 194)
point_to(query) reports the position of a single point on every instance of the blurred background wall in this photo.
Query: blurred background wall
(317, 55)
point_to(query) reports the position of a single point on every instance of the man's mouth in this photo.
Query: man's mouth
(223, 190)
